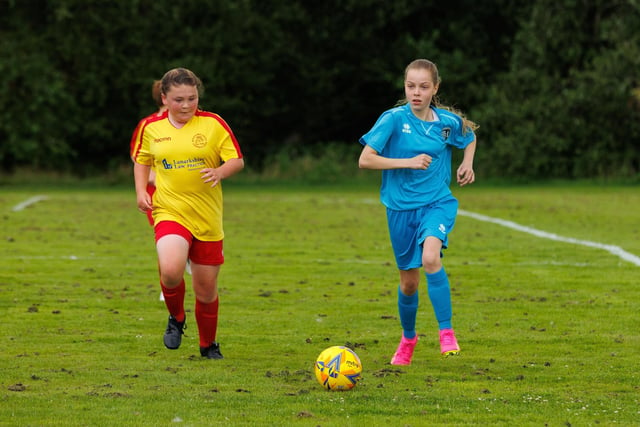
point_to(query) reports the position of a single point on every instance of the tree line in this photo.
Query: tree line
(554, 85)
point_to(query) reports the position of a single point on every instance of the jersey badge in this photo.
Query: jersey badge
(199, 140)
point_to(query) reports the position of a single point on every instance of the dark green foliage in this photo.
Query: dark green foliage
(568, 106)
(554, 85)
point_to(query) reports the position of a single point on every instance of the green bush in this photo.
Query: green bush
(553, 84)
(566, 108)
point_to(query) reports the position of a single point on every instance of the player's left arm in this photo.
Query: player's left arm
(224, 171)
(465, 174)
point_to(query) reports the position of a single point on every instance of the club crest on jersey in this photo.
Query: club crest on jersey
(445, 132)
(199, 140)
(406, 128)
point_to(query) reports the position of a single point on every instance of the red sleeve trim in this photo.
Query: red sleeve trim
(225, 126)
(138, 133)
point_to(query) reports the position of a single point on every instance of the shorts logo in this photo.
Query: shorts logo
(406, 128)
(445, 133)
(199, 140)
(442, 229)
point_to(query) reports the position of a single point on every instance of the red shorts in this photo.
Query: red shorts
(206, 253)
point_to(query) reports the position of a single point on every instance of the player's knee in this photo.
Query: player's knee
(171, 278)
(409, 287)
(431, 263)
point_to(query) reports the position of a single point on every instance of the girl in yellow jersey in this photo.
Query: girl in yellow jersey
(191, 151)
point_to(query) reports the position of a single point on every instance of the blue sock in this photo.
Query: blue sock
(408, 308)
(440, 295)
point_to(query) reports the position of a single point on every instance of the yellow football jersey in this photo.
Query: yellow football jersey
(178, 156)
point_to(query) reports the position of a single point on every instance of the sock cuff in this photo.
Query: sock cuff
(180, 287)
(436, 277)
(407, 299)
(208, 307)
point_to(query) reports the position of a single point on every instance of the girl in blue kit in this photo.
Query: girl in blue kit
(412, 145)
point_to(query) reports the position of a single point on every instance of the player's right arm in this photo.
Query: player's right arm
(141, 177)
(370, 159)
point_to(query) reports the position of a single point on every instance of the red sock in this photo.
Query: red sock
(207, 319)
(174, 300)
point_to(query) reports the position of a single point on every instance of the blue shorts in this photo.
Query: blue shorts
(409, 229)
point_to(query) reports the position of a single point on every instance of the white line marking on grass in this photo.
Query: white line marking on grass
(71, 257)
(30, 201)
(350, 261)
(615, 250)
(533, 263)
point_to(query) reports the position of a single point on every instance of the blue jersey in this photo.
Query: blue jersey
(399, 134)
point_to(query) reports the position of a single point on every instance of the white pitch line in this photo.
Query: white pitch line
(30, 201)
(615, 250)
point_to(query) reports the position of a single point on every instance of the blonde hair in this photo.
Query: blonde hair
(425, 64)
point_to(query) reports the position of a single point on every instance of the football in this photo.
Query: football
(338, 368)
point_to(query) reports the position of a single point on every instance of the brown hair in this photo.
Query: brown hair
(156, 92)
(180, 76)
(425, 64)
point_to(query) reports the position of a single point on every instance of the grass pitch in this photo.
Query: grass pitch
(548, 330)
